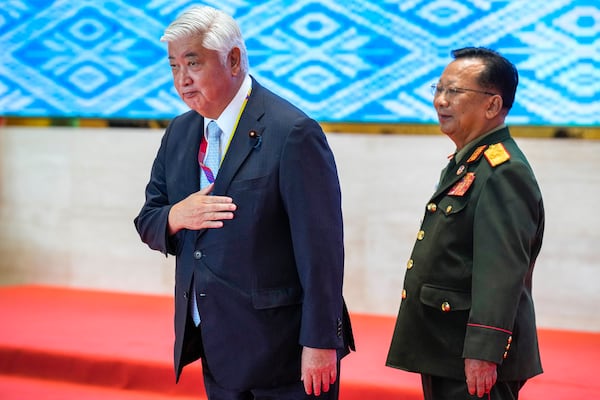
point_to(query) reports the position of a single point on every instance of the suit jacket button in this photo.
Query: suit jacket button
(410, 264)
(421, 235)
(197, 254)
(403, 294)
(185, 295)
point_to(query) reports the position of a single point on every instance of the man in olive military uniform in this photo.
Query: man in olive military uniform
(466, 321)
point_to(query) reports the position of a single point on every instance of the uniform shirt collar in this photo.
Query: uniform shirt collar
(469, 146)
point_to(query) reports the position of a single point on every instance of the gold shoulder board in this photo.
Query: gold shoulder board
(496, 154)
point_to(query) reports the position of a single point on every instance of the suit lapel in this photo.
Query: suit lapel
(191, 174)
(246, 139)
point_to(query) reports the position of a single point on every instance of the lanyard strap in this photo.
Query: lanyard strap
(201, 156)
(204, 144)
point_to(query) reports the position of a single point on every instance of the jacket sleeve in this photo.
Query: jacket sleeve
(506, 225)
(311, 195)
(151, 222)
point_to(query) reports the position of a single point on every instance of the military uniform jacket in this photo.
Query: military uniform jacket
(467, 288)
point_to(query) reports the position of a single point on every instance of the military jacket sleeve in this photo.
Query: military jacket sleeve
(506, 216)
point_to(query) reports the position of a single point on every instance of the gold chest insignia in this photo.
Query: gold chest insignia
(496, 154)
(461, 187)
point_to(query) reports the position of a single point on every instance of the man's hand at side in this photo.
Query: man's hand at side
(481, 376)
(319, 369)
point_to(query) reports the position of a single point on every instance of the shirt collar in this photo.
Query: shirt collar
(229, 117)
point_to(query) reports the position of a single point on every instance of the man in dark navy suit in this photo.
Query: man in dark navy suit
(244, 192)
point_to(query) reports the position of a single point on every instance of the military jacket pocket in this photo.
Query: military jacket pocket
(445, 299)
(452, 205)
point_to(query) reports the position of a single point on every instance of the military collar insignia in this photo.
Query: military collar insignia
(476, 154)
(461, 187)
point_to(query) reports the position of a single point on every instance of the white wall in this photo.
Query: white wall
(68, 198)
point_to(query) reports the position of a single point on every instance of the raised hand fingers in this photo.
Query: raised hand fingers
(201, 211)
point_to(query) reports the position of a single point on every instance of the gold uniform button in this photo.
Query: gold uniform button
(507, 347)
(445, 306)
(410, 264)
(420, 235)
(505, 356)
(509, 339)
(403, 294)
(432, 207)
(448, 209)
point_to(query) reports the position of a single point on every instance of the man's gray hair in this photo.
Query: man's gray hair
(218, 31)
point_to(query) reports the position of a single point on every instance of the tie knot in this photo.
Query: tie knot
(213, 130)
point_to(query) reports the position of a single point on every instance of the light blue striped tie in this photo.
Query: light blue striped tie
(213, 154)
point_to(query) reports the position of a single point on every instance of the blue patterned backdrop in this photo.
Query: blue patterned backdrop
(357, 61)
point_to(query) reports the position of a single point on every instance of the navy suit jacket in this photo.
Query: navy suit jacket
(270, 280)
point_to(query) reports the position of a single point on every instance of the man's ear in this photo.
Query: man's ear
(234, 60)
(494, 106)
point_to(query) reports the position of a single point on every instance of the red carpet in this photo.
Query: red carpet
(58, 343)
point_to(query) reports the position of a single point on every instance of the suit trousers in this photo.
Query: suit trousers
(438, 388)
(294, 391)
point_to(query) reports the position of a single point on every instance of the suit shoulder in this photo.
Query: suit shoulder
(183, 124)
(184, 118)
(280, 105)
